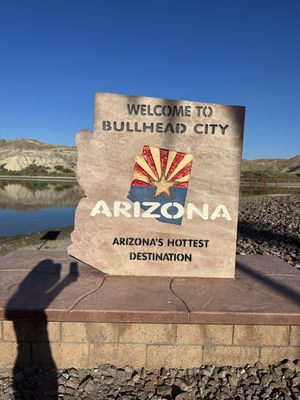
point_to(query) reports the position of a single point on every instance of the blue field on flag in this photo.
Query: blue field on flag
(146, 194)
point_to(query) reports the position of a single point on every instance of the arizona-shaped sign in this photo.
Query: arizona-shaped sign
(161, 183)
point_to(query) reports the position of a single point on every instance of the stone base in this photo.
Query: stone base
(59, 312)
(87, 345)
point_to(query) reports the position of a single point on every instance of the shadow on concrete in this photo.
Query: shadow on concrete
(38, 289)
(282, 288)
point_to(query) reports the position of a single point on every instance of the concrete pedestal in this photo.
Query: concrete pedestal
(48, 299)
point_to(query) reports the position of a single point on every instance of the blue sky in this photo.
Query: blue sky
(56, 54)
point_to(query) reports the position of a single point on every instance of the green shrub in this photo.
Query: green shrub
(35, 170)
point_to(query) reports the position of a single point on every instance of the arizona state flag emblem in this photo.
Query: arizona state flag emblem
(161, 176)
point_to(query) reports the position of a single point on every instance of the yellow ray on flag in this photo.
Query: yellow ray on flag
(156, 158)
(140, 177)
(186, 159)
(184, 178)
(143, 164)
(171, 156)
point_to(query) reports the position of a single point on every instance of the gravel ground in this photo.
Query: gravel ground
(280, 381)
(270, 225)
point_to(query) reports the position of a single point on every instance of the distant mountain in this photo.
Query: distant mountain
(31, 157)
(273, 165)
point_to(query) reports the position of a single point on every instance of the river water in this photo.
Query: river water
(32, 206)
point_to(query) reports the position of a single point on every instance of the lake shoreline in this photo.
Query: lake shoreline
(37, 178)
(35, 241)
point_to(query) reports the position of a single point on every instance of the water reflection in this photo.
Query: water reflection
(30, 206)
(35, 195)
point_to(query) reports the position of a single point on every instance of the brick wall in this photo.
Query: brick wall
(86, 345)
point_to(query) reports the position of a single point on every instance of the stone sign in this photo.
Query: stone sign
(161, 179)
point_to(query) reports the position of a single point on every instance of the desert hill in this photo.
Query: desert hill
(277, 165)
(32, 157)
